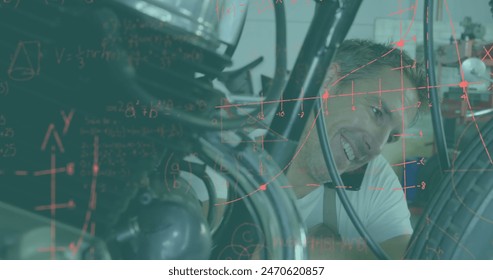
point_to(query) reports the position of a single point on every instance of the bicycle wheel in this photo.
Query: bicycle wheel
(458, 221)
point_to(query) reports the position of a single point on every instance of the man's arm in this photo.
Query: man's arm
(323, 244)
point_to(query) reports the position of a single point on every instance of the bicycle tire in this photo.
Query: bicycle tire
(458, 221)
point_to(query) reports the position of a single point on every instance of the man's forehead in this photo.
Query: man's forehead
(390, 87)
(398, 91)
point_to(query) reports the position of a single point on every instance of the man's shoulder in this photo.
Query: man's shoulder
(378, 166)
(380, 175)
(379, 160)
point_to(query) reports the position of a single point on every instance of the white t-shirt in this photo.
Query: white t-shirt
(380, 205)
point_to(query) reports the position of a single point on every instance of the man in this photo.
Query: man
(372, 98)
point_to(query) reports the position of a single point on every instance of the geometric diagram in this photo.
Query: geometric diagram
(26, 61)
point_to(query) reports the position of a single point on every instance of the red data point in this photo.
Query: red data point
(263, 187)
(400, 43)
(70, 168)
(95, 169)
(463, 84)
(325, 96)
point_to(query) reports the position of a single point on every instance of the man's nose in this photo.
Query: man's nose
(375, 141)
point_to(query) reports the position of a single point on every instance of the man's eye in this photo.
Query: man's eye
(377, 112)
(393, 137)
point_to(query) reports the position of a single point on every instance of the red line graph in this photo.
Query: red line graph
(69, 204)
(355, 94)
(53, 204)
(93, 198)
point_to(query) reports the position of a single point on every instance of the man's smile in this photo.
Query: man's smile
(348, 150)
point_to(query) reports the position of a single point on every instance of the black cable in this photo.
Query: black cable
(327, 31)
(281, 51)
(305, 81)
(336, 178)
(436, 115)
(211, 191)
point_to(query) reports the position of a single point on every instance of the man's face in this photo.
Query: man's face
(361, 119)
